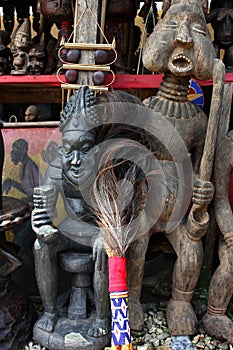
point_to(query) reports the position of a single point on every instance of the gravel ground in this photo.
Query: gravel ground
(157, 336)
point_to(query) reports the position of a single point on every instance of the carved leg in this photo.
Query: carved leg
(101, 325)
(135, 270)
(215, 322)
(180, 314)
(46, 276)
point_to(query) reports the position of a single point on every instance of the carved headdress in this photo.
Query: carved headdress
(168, 3)
(25, 28)
(85, 110)
(80, 111)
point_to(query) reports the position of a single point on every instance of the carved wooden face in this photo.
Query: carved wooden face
(181, 44)
(22, 40)
(57, 10)
(32, 114)
(221, 19)
(77, 159)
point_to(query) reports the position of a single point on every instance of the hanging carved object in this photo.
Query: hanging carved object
(73, 51)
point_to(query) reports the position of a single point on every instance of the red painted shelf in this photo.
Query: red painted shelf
(122, 81)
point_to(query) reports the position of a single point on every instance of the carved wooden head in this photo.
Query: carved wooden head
(57, 11)
(181, 44)
(168, 3)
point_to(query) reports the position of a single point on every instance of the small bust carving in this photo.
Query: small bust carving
(32, 114)
(21, 46)
(36, 62)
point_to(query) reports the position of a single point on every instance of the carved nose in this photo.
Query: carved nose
(184, 35)
(76, 158)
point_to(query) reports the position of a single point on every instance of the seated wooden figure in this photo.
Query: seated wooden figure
(181, 47)
(71, 174)
(71, 243)
(215, 321)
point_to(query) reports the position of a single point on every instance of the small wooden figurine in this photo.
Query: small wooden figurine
(20, 49)
(37, 60)
(32, 114)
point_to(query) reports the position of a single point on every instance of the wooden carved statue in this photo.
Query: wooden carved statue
(32, 114)
(221, 19)
(181, 47)
(20, 48)
(72, 174)
(71, 243)
(36, 60)
(215, 321)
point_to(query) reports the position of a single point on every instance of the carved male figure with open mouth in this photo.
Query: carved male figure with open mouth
(181, 47)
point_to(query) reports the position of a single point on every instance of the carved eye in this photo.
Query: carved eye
(172, 23)
(67, 150)
(86, 147)
(198, 28)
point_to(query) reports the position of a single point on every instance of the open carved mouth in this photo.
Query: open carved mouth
(180, 64)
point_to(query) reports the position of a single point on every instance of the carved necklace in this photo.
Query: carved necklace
(172, 98)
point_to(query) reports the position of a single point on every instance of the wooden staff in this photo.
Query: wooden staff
(213, 122)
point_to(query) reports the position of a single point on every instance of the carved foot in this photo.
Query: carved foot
(181, 318)
(136, 317)
(46, 322)
(219, 326)
(100, 328)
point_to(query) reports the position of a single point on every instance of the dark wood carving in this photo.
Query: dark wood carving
(221, 19)
(73, 243)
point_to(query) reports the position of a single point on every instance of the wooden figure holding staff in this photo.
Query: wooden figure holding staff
(181, 48)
